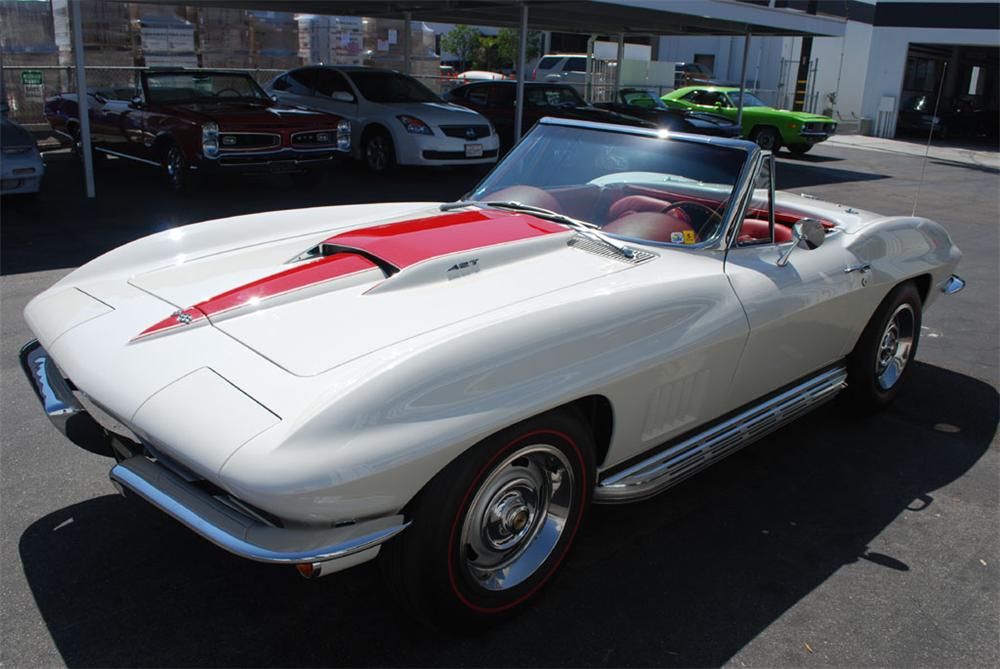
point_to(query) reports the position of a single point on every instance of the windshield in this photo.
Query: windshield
(200, 87)
(543, 97)
(381, 86)
(749, 100)
(648, 188)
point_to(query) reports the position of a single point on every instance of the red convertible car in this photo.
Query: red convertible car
(191, 123)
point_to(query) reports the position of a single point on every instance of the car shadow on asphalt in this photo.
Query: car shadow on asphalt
(797, 173)
(685, 579)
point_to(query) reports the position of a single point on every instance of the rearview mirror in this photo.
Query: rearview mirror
(342, 96)
(808, 234)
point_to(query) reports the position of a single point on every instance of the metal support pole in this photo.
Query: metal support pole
(522, 51)
(618, 67)
(407, 16)
(81, 97)
(743, 78)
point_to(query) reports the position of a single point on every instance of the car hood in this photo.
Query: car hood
(434, 113)
(310, 306)
(241, 114)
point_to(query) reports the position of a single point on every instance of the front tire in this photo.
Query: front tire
(175, 170)
(493, 527)
(799, 149)
(378, 152)
(881, 360)
(767, 138)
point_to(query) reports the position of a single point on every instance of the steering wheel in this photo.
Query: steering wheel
(711, 212)
(219, 92)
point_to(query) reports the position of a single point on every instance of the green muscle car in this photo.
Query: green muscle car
(771, 128)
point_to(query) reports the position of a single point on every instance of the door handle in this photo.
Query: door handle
(863, 268)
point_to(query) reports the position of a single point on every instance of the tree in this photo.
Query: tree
(463, 41)
(507, 42)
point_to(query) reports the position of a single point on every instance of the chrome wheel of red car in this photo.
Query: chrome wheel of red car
(176, 169)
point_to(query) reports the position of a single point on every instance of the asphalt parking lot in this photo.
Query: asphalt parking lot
(836, 541)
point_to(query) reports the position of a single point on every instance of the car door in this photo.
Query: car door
(804, 314)
(501, 104)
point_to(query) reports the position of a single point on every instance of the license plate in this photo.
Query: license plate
(473, 150)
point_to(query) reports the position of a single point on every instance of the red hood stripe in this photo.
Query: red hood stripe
(399, 244)
(409, 242)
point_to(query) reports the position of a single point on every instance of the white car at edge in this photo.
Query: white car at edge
(395, 119)
(448, 387)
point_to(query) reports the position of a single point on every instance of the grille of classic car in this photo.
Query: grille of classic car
(247, 141)
(314, 138)
(466, 131)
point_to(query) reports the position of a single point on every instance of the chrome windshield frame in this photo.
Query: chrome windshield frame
(737, 195)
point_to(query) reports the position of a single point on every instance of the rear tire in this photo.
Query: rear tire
(881, 360)
(493, 526)
(767, 138)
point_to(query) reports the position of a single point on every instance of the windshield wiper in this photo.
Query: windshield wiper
(584, 228)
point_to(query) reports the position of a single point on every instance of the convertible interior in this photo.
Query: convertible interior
(656, 213)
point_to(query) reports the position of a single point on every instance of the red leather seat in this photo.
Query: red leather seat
(631, 204)
(756, 230)
(650, 225)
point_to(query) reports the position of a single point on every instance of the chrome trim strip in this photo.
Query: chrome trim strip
(125, 155)
(681, 460)
(328, 146)
(952, 284)
(242, 535)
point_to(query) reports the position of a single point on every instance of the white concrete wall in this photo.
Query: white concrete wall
(843, 62)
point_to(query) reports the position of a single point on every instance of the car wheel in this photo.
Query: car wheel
(175, 169)
(884, 353)
(493, 527)
(767, 139)
(799, 149)
(379, 152)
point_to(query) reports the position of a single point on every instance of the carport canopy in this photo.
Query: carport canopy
(602, 17)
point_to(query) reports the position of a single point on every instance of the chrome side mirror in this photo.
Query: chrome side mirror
(136, 101)
(808, 234)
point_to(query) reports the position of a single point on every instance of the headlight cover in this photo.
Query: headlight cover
(414, 125)
(210, 139)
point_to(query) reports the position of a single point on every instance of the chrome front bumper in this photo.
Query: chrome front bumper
(240, 534)
(327, 549)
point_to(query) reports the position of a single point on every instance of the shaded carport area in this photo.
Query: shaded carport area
(596, 17)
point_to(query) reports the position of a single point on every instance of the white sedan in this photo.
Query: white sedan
(395, 119)
(448, 386)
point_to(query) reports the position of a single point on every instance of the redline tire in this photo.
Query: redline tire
(871, 380)
(472, 555)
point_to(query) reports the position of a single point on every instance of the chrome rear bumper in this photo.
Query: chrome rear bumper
(952, 284)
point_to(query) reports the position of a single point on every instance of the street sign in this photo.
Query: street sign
(31, 77)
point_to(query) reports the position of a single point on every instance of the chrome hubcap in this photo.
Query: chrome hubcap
(375, 152)
(765, 140)
(895, 346)
(174, 166)
(517, 517)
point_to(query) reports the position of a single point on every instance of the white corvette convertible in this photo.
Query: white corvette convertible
(448, 386)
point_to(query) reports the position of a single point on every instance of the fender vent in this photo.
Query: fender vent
(597, 248)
